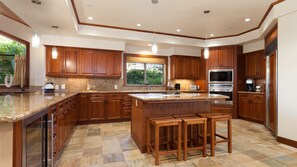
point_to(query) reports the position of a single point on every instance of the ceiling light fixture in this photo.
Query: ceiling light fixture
(154, 46)
(206, 49)
(247, 20)
(54, 49)
(149, 44)
(178, 30)
(90, 18)
(36, 36)
(37, 2)
(138, 25)
(211, 35)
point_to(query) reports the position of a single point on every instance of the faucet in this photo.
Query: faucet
(148, 85)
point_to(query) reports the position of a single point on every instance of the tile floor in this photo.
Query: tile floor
(110, 145)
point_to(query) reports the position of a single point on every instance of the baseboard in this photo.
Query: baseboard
(286, 141)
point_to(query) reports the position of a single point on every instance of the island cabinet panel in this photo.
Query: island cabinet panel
(255, 64)
(252, 107)
(86, 62)
(71, 61)
(184, 67)
(80, 62)
(221, 57)
(54, 66)
(97, 107)
(222, 109)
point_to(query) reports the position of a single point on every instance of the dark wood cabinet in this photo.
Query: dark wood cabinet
(114, 106)
(126, 106)
(184, 67)
(83, 113)
(251, 106)
(221, 57)
(79, 62)
(225, 109)
(97, 107)
(255, 64)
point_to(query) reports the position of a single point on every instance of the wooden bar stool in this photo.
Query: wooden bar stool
(212, 119)
(158, 123)
(191, 120)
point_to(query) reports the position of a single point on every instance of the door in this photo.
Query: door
(97, 107)
(86, 62)
(60, 130)
(226, 58)
(244, 109)
(272, 92)
(214, 55)
(114, 106)
(100, 62)
(54, 66)
(71, 61)
(114, 64)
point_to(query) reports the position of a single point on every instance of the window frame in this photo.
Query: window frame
(165, 70)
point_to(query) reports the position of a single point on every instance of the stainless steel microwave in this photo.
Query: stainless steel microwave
(220, 76)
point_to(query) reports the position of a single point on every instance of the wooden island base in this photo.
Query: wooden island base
(141, 110)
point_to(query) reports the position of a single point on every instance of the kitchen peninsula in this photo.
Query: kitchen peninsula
(158, 105)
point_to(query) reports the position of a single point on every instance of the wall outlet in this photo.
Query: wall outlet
(56, 87)
(115, 87)
(63, 86)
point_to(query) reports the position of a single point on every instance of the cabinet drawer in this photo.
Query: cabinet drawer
(115, 96)
(258, 97)
(101, 96)
(226, 110)
(243, 95)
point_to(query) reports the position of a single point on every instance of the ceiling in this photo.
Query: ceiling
(226, 17)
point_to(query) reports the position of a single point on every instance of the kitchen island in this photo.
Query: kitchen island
(159, 105)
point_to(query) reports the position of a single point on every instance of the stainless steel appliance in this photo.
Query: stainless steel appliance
(249, 85)
(220, 76)
(222, 89)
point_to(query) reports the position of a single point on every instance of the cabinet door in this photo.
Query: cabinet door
(194, 68)
(100, 62)
(213, 60)
(226, 58)
(179, 68)
(258, 108)
(86, 62)
(261, 65)
(54, 66)
(114, 64)
(71, 57)
(250, 65)
(83, 113)
(97, 107)
(244, 106)
(60, 130)
(114, 108)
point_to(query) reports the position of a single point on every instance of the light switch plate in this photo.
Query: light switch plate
(63, 86)
(115, 87)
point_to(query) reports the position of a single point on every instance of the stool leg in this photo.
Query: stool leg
(185, 140)
(230, 135)
(157, 145)
(148, 136)
(179, 141)
(168, 137)
(204, 138)
(191, 136)
(212, 136)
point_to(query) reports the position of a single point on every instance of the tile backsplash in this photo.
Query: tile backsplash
(184, 83)
(79, 84)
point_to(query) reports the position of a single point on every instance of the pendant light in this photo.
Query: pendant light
(206, 49)
(35, 40)
(154, 46)
(54, 49)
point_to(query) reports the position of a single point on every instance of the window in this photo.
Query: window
(141, 71)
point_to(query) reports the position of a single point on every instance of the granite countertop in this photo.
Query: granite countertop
(250, 92)
(140, 91)
(15, 107)
(178, 97)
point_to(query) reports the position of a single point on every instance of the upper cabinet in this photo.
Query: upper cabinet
(184, 67)
(78, 62)
(221, 57)
(255, 64)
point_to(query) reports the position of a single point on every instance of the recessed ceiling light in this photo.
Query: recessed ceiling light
(211, 35)
(178, 30)
(138, 25)
(90, 18)
(247, 20)
(149, 44)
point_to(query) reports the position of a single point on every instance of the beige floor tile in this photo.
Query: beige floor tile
(132, 155)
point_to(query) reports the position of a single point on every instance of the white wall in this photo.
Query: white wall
(287, 78)
(254, 46)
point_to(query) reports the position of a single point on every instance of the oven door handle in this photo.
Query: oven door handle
(51, 122)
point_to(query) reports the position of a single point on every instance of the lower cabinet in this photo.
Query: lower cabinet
(96, 107)
(251, 106)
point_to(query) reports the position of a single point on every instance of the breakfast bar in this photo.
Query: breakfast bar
(162, 105)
